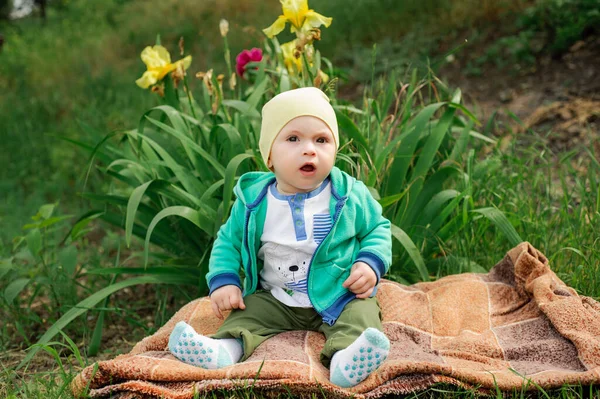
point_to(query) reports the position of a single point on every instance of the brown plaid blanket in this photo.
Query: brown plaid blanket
(519, 326)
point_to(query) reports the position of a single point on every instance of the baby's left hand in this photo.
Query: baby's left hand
(361, 281)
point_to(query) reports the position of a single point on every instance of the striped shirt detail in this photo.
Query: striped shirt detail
(321, 226)
(298, 286)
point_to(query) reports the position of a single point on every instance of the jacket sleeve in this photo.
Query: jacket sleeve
(374, 234)
(226, 255)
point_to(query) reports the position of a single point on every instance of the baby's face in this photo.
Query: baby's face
(302, 155)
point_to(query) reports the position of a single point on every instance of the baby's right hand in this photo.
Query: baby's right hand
(226, 298)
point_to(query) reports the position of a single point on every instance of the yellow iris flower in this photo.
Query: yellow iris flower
(158, 62)
(302, 19)
(288, 49)
(293, 63)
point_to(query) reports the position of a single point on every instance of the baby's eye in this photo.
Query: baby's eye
(321, 140)
(292, 138)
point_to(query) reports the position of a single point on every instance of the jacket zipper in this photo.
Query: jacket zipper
(249, 266)
(338, 210)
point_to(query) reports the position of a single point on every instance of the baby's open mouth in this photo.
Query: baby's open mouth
(308, 168)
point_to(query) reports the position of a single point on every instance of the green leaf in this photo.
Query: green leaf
(5, 266)
(79, 226)
(92, 301)
(259, 90)
(168, 241)
(284, 82)
(374, 193)
(384, 154)
(96, 339)
(242, 106)
(403, 157)
(48, 222)
(187, 143)
(424, 165)
(68, 259)
(233, 135)
(472, 117)
(132, 207)
(230, 180)
(349, 108)
(499, 219)
(461, 144)
(15, 288)
(46, 210)
(34, 241)
(351, 130)
(392, 199)
(432, 186)
(434, 207)
(181, 211)
(411, 250)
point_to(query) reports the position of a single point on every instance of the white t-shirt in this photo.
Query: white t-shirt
(294, 227)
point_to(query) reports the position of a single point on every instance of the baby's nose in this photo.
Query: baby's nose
(309, 148)
(293, 268)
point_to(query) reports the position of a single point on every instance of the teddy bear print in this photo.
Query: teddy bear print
(290, 266)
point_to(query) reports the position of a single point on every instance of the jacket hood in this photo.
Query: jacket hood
(252, 186)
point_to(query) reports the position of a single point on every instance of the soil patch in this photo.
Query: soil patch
(558, 96)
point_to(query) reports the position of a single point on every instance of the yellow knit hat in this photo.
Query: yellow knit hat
(306, 101)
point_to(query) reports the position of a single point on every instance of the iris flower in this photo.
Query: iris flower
(292, 63)
(302, 19)
(158, 63)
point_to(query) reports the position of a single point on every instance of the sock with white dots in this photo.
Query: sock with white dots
(355, 363)
(209, 353)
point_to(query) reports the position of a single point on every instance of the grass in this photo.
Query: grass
(73, 75)
(553, 199)
(557, 217)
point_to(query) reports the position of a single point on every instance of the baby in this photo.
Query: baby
(313, 244)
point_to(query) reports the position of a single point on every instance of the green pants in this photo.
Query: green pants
(265, 316)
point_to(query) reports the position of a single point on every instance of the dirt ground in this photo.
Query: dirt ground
(558, 96)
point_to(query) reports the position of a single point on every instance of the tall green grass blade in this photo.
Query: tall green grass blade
(230, 180)
(424, 165)
(392, 199)
(257, 94)
(92, 301)
(404, 155)
(14, 289)
(211, 190)
(461, 144)
(411, 250)
(96, 339)
(434, 207)
(132, 206)
(158, 238)
(234, 139)
(187, 144)
(182, 211)
(243, 107)
(499, 220)
(352, 131)
(189, 181)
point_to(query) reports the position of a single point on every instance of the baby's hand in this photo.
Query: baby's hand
(361, 281)
(226, 298)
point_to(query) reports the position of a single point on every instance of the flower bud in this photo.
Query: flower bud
(224, 27)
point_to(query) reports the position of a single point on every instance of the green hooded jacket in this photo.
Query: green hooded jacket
(359, 232)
